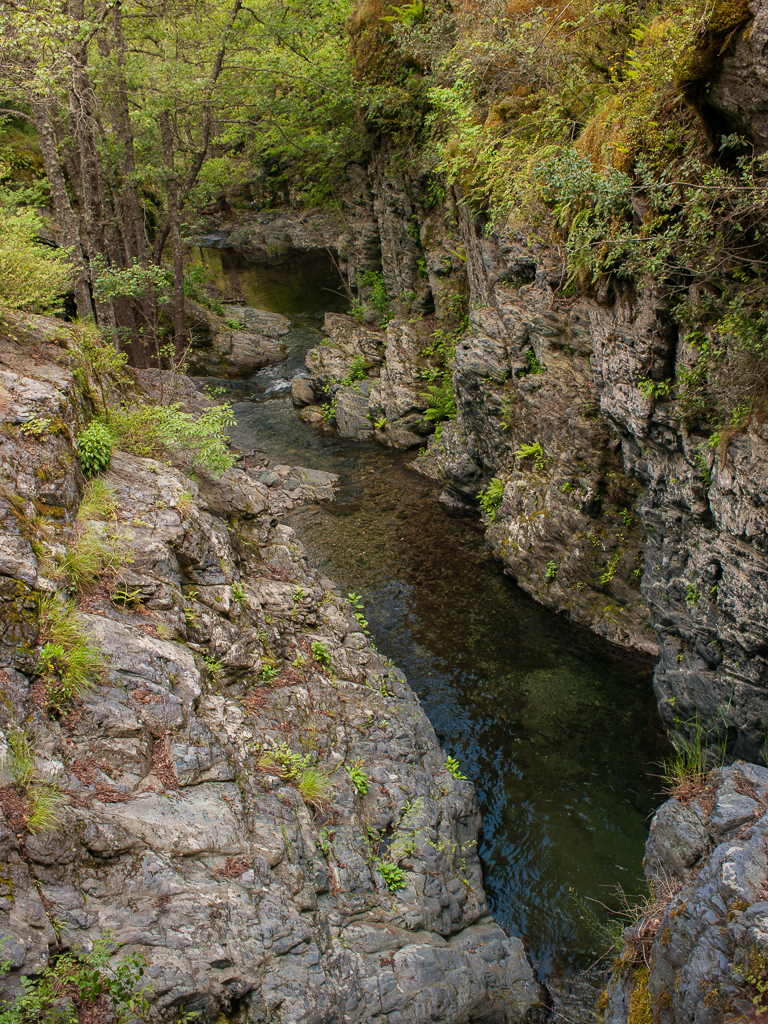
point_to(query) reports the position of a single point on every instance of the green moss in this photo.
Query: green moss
(640, 1001)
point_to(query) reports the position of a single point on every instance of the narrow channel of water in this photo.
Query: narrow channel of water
(557, 730)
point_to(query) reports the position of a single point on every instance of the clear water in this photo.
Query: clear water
(557, 730)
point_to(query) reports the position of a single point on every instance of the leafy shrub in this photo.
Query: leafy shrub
(373, 282)
(155, 430)
(33, 277)
(94, 448)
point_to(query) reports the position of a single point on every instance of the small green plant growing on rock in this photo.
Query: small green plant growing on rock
(692, 595)
(98, 502)
(356, 603)
(314, 785)
(90, 976)
(35, 426)
(44, 802)
(610, 570)
(453, 769)
(359, 778)
(532, 364)
(550, 573)
(532, 451)
(753, 968)
(92, 558)
(70, 662)
(393, 875)
(381, 423)
(320, 653)
(491, 498)
(238, 592)
(357, 371)
(329, 412)
(94, 448)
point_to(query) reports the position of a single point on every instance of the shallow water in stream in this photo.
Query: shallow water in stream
(557, 730)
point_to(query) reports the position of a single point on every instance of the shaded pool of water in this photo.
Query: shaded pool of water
(557, 730)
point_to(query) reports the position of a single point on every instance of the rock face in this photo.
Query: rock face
(272, 236)
(611, 510)
(700, 951)
(234, 676)
(236, 345)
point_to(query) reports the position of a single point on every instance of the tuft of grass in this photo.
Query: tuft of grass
(314, 785)
(45, 806)
(98, 502)
(70, 662)
(93, 558)
(685, 773)
(21, 760)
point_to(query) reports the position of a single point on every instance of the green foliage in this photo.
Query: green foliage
(314, 785)
(409, 14)
(532, 364)
(156, 430)
(375, 289)
(490, 499)
(136, 281)
(550, 573)
(33, 277)
(358, 610)
(441, 403)
(329, 412)
(753, 969)
(357, 775)
(393, 875)
(35, 426)
(320, 653)
(654, 389)
(532, 451)
(357, 371)
(40, 998)
(94, 448)
(21, 758)
(70, 662)
(94, 556)
(610, 570)
(44, 809)
(238, 592)
(95, 359)
(98, 502)
(692, 595)
(452, 767)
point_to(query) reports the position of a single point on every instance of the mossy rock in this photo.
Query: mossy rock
(701, 58)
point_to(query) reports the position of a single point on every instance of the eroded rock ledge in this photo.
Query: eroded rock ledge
(180, 835)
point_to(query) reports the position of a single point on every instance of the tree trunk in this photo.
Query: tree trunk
(175, 232)
(68, 225)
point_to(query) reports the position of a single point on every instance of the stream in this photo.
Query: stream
(557, 729)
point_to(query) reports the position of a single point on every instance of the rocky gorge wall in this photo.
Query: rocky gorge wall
(187, 830)
(613, 511)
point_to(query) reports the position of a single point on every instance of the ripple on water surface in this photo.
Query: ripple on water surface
(558, 731)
